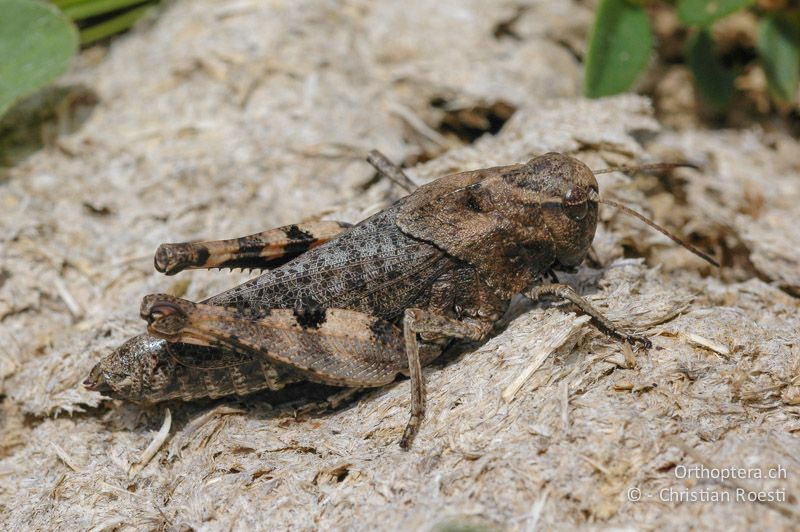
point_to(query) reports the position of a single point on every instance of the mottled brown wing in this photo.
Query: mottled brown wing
(373, 268)
(332, 346)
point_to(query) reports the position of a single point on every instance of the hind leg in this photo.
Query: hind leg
(265, 250)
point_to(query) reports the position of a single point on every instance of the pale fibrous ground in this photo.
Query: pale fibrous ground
(219, 119)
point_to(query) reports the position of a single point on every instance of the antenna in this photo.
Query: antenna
(387, 168)
(655, 167)
(651, 223)
(661, 230)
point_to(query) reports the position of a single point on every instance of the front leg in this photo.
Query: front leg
(421, 322)
(268, 249)
(565, 291)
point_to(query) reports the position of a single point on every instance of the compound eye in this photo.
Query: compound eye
(576, 203)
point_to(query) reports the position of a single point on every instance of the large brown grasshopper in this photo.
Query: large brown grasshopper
(354, 306)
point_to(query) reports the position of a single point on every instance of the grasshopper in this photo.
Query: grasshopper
(354, 306)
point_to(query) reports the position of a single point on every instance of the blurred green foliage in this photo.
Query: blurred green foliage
(619, 40)
(36, 44)
(98, 19)
(38, 39)
(779, 49)
(713, 81)
(705, 12)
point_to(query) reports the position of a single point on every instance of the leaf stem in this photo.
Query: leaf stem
(94, 8)
(113, 25)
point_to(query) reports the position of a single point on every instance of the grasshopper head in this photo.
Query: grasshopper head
(141, 371)
(569, 206)
(568, 192)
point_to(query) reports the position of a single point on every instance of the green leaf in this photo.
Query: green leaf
(779, 49)
(704, 12)
(619, 48)
(36, 45)
(713, 81)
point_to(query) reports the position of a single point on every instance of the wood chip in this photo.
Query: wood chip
(62, 454)
(72, 304)
(541, 351)
(623, 386)
(154, 446)
(711, 345)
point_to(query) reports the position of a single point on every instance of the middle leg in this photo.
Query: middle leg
(422, 322)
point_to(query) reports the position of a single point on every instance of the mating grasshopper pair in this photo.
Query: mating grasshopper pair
(354, 306)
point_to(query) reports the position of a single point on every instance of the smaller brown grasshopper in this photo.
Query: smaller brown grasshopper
(354, 306)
